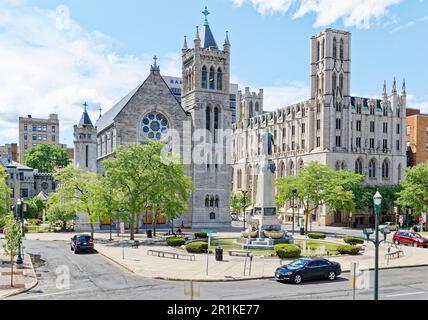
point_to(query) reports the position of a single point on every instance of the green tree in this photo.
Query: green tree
(46, 158)
(76, 189)
(415, 189)
(236, 202)
(5, 193)
(13, 240)
(60, 211)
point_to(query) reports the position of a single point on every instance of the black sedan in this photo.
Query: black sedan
(81, 243)
(308, 269)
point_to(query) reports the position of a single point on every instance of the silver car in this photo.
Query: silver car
(389, 225)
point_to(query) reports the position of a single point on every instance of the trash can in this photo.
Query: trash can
(219, 254)
(302, 231)
(149, 234)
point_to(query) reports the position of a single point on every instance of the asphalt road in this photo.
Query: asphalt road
(94, 277)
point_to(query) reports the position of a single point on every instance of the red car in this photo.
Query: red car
(410, 238)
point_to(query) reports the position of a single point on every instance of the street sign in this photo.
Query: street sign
(424, 217)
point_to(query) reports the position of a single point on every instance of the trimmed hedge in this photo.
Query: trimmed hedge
(201, 235)
(353, 241)
(351, 250)
(197, 247)
(288, 251)
(316, 235)
(175, 242)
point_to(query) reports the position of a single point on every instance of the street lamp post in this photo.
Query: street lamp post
(244, 206)
(294, 192)
(377, 200)
(19, 260)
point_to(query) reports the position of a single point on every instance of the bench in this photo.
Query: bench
(394, 255)
(173, 255)
(245, 254)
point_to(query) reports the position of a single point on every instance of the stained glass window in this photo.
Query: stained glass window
(155, 126)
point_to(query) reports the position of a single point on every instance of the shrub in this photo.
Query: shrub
(197, 247)
(316, 235)
(353, 241)
(351, 250)
(288, 251)
(175, 242)
(201, 235)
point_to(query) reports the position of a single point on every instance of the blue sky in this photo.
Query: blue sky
(105, 49)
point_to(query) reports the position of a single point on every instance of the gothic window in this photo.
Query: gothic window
(251, 109)
(385, 170)
(359, 166)
(372, 169)
(87, 156)
(341, 49)
(204, 78)
(216, 121)
(282, 170)
(292, 171)
(212, 202)
(334, 82)
(155, 126)
(334, 48)
(344, 166)
(257, 108)
(219, 79)
(208, 118)
(341, 83)
(217, 202)
(398, 113)
(372, 110)
(212, 78)
(207, 201)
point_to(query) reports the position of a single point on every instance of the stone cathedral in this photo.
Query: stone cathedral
(332, 127)
(151, 112)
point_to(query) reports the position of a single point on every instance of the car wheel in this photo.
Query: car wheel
(415, 244)
(71, 248)
(332, 276)
(298, 279)
(397, 242)
(75, 251)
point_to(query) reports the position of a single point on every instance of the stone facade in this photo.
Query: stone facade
(85, 144)
(332, 127)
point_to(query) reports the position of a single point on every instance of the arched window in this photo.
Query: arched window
(216, 122)
(341, 49)
(212, 78)
(398, 112)
(372, 169)
(385, 169)
(318, 51)
(359, 166)
(282, 171)
(208, 118)
(217, 202)
(334, 82)
(257, 109)
(212, 202)
(207, 201)
(323, 48)
(341, 83)
(292, 171)
(250, 111)
(334, 48)
(204, 78)
(219, 79)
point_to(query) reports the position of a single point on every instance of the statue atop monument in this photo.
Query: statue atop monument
(268, 143)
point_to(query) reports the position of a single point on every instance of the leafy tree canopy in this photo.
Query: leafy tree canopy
(46, 158)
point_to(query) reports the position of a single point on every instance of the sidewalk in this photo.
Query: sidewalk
(24, 277)
(139, 262)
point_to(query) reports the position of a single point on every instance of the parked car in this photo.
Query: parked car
(81, 243)
(389, 225)
(410, 238)
(418, 227)
(308, 269)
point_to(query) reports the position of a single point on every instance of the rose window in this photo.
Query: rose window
(155, 126)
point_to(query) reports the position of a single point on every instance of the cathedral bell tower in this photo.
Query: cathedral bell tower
(85, 143)
(206, 88)
(330, 88)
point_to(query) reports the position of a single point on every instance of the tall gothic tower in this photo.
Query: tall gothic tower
(85, 143)
(330, 88)
(206, 86)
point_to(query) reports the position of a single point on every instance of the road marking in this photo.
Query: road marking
(405, 294)
(38, 296)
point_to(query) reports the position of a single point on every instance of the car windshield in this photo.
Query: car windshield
(417, 235)
(298, 264)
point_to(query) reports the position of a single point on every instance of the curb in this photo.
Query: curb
(117, 262)
(32, 286)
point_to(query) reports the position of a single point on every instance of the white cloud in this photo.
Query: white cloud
(417, 103)
(404, 26)
(358, 13)
(48, 69)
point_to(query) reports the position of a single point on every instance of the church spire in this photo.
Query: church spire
(85, 120)
(226, 41)
(155, 67)
(403, 91)
(185, 47)
(394, 86)
(385, 93)
(207, 38)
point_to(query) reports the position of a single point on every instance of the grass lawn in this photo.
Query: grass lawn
(38, 229)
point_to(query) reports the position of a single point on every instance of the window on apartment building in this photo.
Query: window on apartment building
(25, 137)
(385, 144)
(385, 127)
(39, 137)
(338, 124)
(358, 125)
(372, 126)
(45, 128)
(372, 143)
(398, 145)
(34, 137)
(318, 124)
(34, 127)
(318, 142)
(338, 141)
(358, 142)
(398, 129)
(54, 138)
(25, 127)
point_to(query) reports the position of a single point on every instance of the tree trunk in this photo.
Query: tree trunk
(64, 226)
(118, 228)
(137, 228)
(11, 270)
(306, 220)
(132, 230)
(92, 231)
(154, 221)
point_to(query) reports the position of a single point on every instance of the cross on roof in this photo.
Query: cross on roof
(86, 106)
(155, 60)
(206, 13)
(100, 109)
